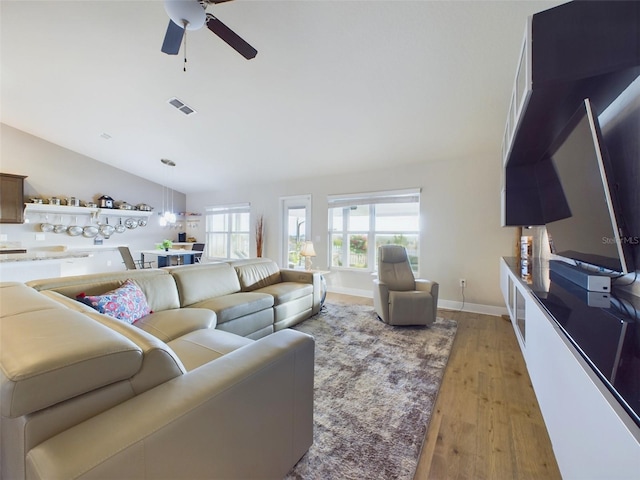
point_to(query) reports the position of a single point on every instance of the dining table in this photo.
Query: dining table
(164, 257)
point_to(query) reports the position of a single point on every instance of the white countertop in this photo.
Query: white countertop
(40, 255)
(164, 253)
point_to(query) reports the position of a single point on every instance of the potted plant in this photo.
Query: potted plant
(166, 244)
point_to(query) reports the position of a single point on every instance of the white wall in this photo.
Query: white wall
(460, 220)
(55, 171)
(460, 212)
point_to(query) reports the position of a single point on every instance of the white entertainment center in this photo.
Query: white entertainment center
(591, 433)
(582, 349)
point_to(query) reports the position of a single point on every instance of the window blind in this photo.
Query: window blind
(411, 195)
(235, 208)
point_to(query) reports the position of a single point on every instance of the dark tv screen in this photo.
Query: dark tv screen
(579, 200)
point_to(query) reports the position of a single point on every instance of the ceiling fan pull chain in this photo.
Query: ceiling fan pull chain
(184, 65)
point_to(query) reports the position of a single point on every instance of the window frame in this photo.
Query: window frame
(346, 203)
(229, 231)
(293, 202)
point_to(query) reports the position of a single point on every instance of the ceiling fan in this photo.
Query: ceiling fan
(192, 15)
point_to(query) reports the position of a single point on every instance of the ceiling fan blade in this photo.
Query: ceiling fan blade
(232, 38)
(172, 39)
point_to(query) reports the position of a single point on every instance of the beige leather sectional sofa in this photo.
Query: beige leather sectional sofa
(199, 388)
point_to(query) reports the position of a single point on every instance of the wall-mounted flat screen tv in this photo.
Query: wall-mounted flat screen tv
(579, 198)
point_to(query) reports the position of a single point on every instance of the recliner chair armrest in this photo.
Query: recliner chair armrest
(381, 299)
(431, 287)
(381, 287)
(427, 286)
(248, 414)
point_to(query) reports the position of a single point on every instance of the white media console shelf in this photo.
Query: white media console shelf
(592, 435)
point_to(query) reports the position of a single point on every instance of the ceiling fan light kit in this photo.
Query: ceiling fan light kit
(186, 14)
(192, 15)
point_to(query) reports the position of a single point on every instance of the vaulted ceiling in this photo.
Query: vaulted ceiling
(336, 85)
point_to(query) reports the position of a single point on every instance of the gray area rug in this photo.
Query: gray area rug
(375, 387)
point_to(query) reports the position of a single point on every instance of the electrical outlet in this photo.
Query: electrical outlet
(463, 282)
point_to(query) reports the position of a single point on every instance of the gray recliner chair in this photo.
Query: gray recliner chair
(398, 297)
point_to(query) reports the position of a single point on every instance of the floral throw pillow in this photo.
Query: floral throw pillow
(127, 302)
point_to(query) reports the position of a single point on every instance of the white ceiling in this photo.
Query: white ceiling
(336, 86)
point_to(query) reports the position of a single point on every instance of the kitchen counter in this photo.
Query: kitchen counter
(40, 255)
(50, 262)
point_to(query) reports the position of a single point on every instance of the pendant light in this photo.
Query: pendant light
(168, 216)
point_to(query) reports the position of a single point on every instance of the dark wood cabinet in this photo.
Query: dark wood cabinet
(584, 39)
(11, 198)
(578, 50)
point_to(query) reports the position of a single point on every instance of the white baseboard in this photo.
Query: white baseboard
(472, 307)
(444, 304)
(351, 291)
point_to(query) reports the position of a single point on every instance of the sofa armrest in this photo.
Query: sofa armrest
(306, 276)
(300, 276)
(248, 414)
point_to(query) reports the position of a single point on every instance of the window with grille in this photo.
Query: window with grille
(228, 231)
(360, 223)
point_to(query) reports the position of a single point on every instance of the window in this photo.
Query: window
(228, 231)
(359, 224)
(296, 220)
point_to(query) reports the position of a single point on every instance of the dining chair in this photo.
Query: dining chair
(129, 261)
(198, 247)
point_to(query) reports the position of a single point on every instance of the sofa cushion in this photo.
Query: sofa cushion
(202, 346)
(257, 273)
(15, 298)
(203, 281)
(287, 291)
(159, 362)
(161, 291)
(298, 310)
(254, 326)
(47, 357)
(158, 286)
(230, 307)
(127, 302)
(170, 324)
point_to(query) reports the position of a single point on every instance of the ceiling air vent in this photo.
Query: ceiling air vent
(180, 105)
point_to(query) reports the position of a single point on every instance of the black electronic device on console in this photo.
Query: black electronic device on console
(591, 281)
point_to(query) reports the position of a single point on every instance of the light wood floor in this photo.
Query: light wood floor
(486, 422)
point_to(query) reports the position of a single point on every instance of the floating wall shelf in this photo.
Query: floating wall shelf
(39, 208)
